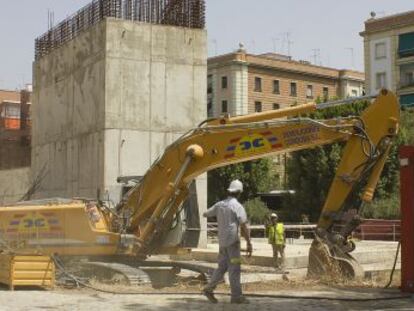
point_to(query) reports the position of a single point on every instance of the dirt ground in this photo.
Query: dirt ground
(185, 295)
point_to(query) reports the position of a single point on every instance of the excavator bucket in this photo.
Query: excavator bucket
(331, 262)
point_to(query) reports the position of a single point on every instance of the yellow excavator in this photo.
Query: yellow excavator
(140, 225)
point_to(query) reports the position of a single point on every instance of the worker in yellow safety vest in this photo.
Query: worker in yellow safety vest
(275, 232)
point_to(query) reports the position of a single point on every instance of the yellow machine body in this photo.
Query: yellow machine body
(27, 270)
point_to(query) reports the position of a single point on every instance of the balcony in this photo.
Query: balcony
(406, 76)
(407, 100)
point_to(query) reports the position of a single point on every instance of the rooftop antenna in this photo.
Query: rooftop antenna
(316, 56)
(289, 42)
(274, 41)
(214, 41)
(253, 45)
(352, 57)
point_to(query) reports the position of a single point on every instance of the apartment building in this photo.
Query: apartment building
(9, 110)
(242, 83)
(15, 128)
(389, 55)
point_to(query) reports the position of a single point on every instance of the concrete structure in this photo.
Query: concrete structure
(389, 55)
(241, 83)
(109, 101)
(14, 184)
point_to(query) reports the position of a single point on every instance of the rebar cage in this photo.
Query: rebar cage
(183, 13)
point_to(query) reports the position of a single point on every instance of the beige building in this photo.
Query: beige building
(389, 55)
(241, 83)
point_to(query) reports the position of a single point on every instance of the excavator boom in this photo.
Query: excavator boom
(153, 203)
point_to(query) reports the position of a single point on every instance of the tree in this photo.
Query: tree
(256, 176)
(310, 172)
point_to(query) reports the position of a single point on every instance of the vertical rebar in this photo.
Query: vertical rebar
(185, 13)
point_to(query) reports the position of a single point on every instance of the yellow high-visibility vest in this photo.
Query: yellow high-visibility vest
(276, 234)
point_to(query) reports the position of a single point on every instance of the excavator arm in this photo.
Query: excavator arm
(152, 205)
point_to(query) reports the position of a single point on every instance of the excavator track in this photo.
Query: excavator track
(134, 276)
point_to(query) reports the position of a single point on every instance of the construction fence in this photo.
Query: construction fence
(370, 229)
(183, 13)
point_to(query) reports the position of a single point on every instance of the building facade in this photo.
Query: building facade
(241, 83)
(389, 55)
(15, 128)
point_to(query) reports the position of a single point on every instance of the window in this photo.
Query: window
(409, 78)
(407, 100)
(210, 108)
(12, 111)
(276, 106)
(309, 91)
(224, 82)
(381, 83)
(354, 93)
(276, 87)
(293, 89)
(407, 75)
(380, 50)
(224, 106)
(209, 84)
(406, 44)
(325, 94)
(257, 106)
(257, 84)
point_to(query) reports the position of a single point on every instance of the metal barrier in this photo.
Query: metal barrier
(292, 230)
(384, 232)
(366, 231)
(183, 13)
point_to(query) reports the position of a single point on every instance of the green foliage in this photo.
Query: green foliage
(407, 125)
(310, 175)
(256, 177)
(311, 171)
(257, 211)
(388, 208)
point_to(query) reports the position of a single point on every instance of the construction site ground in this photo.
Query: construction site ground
(295, 299)
(291, 292)
(376, 258)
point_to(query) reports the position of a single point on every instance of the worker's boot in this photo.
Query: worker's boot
(239, 300)
(210, 296)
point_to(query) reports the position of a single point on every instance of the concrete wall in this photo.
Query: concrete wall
(107, 103)
(14, 184)
(155, 90)
(68, 117)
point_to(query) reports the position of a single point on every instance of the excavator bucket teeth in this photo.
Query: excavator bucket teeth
(331, 263)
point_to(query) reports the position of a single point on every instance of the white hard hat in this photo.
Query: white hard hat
(235, 186)
(273, 215)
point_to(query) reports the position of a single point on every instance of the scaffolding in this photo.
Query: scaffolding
(183, 13)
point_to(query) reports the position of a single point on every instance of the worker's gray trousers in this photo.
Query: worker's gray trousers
(228, 260)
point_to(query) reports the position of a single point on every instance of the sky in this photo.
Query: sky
(325, 32)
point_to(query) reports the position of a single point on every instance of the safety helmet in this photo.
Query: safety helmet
(273, 215)
(235, 186)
